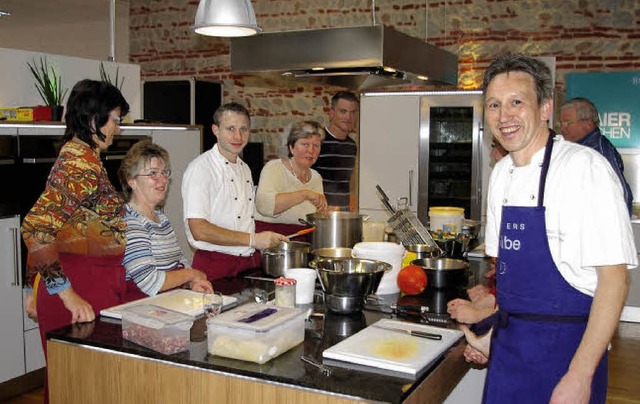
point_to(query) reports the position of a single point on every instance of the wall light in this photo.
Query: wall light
(226, 18)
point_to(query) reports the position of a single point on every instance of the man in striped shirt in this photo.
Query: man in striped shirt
(337, 158)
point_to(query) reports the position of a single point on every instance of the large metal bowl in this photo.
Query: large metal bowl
(346, 282)
(350, 277)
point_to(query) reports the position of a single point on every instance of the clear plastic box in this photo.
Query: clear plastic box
(255, 332)
(157, 328)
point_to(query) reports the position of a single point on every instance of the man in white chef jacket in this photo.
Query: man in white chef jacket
(219, 201)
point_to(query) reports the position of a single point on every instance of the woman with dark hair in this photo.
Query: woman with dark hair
(153, 259)
(289, 188)
(75, 232)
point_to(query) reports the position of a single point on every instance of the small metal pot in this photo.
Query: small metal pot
(443, 272)
(292, 254)
(332, 252)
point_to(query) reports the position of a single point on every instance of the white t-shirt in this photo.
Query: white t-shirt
(221, 192)
(587, 220)
(275, 179)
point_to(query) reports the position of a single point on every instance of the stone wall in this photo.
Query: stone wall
(583, 35)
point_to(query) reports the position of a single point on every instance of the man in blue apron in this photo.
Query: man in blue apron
(558, 223)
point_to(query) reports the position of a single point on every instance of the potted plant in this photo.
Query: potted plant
(49, 86)
(104, 76)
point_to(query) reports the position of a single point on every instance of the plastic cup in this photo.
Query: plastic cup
(305, 283)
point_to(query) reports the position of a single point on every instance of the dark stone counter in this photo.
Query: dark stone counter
(288, 369)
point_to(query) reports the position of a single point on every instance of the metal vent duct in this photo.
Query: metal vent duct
(358, 58)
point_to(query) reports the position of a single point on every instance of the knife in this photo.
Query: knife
(413, 333)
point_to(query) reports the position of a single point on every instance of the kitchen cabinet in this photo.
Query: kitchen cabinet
(11, 333)
(389, 142)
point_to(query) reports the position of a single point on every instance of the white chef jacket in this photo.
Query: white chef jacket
(587, 221)
(222, 192)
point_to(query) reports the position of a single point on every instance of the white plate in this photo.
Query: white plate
(181, 300)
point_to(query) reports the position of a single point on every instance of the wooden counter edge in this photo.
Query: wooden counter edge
(443, 379)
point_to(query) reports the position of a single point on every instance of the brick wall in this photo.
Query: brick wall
(583, 35)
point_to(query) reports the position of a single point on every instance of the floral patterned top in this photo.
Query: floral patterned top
(79, 212)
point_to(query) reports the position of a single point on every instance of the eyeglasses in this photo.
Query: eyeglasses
(116, 118)
(156, 174)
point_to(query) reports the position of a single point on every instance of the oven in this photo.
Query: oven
(9, 175)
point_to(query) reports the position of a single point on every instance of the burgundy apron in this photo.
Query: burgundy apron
(541, 318)
(218, 265)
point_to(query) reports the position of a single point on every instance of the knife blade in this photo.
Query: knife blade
(413, 333)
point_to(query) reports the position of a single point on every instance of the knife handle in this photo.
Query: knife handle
(428, 335)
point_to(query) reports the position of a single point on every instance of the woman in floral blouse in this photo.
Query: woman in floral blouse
(75, 231)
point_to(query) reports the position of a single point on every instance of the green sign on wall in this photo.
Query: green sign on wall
(617, 97)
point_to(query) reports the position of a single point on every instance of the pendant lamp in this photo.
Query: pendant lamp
(226, 18)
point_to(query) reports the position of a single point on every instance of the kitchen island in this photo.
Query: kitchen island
(93, 363)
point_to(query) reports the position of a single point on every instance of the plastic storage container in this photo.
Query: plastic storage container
(157, 328)
(446, 218)
(255, 332)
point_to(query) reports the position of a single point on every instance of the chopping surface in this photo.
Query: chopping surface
(181, 300)
(393, 350)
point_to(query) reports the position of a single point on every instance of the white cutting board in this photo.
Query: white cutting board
(181, 300)
(391, 350)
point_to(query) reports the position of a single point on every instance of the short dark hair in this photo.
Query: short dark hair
(88, 108)
(585, 110)
(510, 62)
(343, 95)
(230, 107)
(304, 130)
(138, 156)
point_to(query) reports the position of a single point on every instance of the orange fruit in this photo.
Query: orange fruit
(412, 280)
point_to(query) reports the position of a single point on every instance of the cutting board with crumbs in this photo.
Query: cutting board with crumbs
(184, 301)
(394, 351)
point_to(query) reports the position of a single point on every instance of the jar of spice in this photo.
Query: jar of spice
(285, 292)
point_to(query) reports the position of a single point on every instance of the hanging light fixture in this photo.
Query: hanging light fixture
(226, 18)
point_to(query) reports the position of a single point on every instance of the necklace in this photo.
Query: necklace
(304, 177)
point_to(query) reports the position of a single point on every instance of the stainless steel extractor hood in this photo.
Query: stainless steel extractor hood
(358, 58)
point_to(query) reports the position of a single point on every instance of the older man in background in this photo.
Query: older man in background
(579, 123)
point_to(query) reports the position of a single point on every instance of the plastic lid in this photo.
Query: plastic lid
(153, 316)
(446, 210)
(255, 316)
(282, 281)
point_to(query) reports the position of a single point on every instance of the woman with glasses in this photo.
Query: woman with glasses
(75, 232)
(153, 259)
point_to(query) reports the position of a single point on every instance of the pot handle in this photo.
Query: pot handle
(365, 218)
(306, 222)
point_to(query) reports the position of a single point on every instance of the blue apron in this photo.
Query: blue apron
(541, 318)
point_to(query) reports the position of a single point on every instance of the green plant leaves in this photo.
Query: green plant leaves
(48, 84)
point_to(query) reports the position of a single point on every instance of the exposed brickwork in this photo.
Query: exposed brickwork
(583, 35)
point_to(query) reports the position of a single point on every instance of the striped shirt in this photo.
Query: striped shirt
(152, 249)
(335, 164)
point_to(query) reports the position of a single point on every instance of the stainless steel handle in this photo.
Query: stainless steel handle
(410, 187)
(4, 162)
(114, 157)
(39, 160)
(16, 264)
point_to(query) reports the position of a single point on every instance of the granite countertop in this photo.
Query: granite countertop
(287, 368)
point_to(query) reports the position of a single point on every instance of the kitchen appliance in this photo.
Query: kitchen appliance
(335, 229)
(9, 175)
(287, 254)
(346, 282)
(377, 56)
(426, 146)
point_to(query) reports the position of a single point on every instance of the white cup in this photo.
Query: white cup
(305, 283)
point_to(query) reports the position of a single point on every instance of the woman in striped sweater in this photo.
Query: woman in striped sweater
(153, 259)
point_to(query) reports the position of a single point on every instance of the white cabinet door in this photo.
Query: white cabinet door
(11, 333)
(389, 140)
(183, 146)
